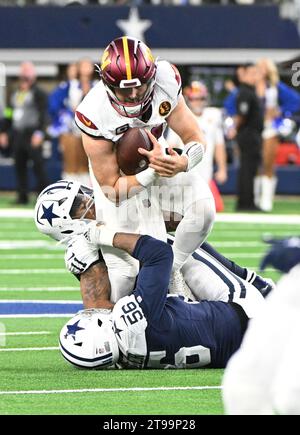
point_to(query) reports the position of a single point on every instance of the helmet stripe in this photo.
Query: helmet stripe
(107, 357)
(127, 58)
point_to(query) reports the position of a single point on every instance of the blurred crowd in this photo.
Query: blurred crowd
(133, 2)
(33, 115)
(258, 112)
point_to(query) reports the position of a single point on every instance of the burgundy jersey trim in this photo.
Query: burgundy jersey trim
(85, 121)
(177, 74)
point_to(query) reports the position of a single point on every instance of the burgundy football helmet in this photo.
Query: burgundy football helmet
(128, 63)
(196, 90)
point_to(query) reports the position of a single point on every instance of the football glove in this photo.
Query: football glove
(283, 255)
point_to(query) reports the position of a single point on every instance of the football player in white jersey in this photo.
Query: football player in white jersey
(137, 91)
(65, 211)
(263, 377)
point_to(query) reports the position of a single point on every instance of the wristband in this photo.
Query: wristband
(99, 234)
(106, 236)
(194, 152)
(146, 177)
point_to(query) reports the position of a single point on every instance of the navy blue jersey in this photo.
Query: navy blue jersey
(167, 330)
(193, 334)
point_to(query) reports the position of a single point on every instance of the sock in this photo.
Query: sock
(192, 230)
(260, 283)
(242, 272)
(263, 286)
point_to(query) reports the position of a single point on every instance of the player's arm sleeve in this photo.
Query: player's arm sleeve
(156, 258)
(80, 255)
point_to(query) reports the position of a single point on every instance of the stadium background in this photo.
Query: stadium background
(206, 42)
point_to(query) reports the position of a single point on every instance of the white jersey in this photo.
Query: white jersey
(263, 377)
(211, 124)
(96, 117)
(130, 328)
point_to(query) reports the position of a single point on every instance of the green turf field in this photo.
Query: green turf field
(35, 379)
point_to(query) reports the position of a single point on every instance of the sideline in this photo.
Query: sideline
(220, 217)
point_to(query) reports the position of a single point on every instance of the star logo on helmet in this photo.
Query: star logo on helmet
(48, 213)
(72, 329)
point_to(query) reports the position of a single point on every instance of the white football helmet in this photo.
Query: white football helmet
(53, 209)
(87, 340)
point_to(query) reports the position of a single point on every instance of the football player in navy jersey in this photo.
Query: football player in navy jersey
(65, 209)
(151, 329)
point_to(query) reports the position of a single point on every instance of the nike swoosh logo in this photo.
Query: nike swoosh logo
(87, 123)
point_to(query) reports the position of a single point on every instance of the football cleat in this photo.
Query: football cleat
(178, 286)
(283, 254)
(263, 285)
(270, 286)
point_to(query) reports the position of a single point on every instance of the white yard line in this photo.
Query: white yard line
(29, 244)
(240, 255)
(253, 234)
(220, 217)
(259, 218)
(233, 244)
(19, 234)
(34, 316)
(38, 301)
(26, 349)
(18, 213)
(31, 271)
(57, 256)
(39, 289)
(25, 333)
(114, 390)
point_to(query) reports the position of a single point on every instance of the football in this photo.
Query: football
(130, 161)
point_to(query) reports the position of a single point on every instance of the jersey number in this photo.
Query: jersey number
(122, 129)
(185, 357)
(132, 313)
